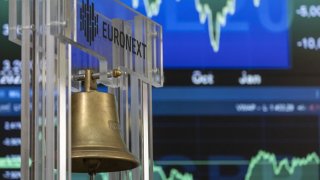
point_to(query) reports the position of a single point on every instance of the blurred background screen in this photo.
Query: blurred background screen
(241, 97)
(10, 80)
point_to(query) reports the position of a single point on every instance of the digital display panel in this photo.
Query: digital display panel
(229, 34)
(10, 80)
(241, 96)
(242, 90)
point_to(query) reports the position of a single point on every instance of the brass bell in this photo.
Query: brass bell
(97, 145)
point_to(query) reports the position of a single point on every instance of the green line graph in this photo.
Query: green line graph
(216, 13)
(174, 174)
(152, 7)
(262, 164)
(213, 12)
(259, 165)
(285, 165)
(159, 173)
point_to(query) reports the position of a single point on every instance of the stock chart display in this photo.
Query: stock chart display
(235, 34)
(237, 133)
(241, 97)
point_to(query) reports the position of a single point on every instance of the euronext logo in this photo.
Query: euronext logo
(88, 21)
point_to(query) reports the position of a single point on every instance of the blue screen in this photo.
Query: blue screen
(222, 34)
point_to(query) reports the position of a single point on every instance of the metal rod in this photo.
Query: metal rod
(112, 74)
(92, 175)
(33, 81)
(78, 77)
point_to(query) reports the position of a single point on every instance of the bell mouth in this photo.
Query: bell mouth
(92, 164)
(102, 161)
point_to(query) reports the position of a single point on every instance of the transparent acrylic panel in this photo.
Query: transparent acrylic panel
(121, 38)
(45, 91)
(133, 98)
(15, 21)
(59, 40)
(109, 36)
(27, 124)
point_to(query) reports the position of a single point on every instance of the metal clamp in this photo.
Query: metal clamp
(90, 78)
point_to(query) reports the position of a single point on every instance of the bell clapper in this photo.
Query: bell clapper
(92, 165)
(92, 176)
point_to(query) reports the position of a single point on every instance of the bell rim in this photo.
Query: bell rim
(126, 160)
